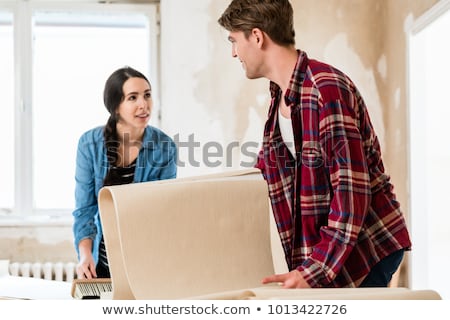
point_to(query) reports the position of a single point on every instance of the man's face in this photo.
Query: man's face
(247, 51)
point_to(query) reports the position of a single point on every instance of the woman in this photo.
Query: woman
(125, 150)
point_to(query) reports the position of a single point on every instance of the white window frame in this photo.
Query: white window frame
(419, 225)
(22, 22)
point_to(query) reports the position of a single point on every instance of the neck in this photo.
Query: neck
(129, 135)
(281, 62)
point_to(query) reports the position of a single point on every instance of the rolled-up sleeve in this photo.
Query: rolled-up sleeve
(86, 206)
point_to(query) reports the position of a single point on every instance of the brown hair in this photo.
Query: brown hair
(274, 17)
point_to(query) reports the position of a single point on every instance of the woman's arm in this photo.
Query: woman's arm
(86, 208)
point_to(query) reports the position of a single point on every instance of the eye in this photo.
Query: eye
(131, 98)
(148, 95)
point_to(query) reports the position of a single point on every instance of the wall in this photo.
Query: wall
(219, 104)
(206, 97)
(37, 241)
(204, 90)
(395, 100)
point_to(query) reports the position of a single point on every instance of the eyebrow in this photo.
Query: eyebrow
(134, 93)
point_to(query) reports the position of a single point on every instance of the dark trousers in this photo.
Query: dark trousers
(381, 273)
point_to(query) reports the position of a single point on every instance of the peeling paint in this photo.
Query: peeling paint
(382, 67)
(31, 249)
(397, 98)
(339, 53)
(398, 138)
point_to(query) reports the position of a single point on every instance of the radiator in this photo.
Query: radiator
(58, 271)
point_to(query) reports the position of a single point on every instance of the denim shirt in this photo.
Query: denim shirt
(157, 160)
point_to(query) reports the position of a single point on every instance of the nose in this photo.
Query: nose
(142, 102)
(233, 52)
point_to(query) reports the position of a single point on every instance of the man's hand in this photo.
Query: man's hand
(290, 280)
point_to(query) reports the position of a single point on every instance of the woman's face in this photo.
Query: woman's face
(136, 106)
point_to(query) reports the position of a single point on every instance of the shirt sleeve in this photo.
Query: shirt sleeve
(343, 152)
(86, 206)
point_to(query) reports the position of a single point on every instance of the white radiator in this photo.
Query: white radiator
(58, 271)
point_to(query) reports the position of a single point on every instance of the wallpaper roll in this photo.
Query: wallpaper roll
(273, 292)
(204, 237)
(187, 237)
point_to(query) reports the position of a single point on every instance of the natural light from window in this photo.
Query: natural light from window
(7, 111)
(430, 155)
(54, 62)
(73, 56)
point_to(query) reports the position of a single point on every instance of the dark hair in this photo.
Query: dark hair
(112, 97)
(274, 17)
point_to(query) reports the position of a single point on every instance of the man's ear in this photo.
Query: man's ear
(258, 35)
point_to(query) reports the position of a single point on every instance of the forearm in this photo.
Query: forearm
(86, 266)
(85, 247)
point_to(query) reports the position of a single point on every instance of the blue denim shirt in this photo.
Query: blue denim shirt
(157, 160)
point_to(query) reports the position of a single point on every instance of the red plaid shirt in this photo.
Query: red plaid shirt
(334, 206)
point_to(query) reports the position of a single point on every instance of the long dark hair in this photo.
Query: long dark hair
(112, 97)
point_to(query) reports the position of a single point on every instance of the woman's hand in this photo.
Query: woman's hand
(86, 266)
(290, 280)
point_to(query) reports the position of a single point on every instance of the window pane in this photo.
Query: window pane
(73, 56)
(7, 111)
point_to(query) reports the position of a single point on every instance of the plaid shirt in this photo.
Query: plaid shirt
(334, 206)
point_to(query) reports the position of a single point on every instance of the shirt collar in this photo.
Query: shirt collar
(292, 94)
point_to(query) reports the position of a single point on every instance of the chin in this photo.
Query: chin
(253, 76)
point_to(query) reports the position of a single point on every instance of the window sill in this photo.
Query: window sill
(36, 221)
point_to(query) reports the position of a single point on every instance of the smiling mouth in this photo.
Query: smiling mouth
(143, 115)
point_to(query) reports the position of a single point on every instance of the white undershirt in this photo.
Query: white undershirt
(287, 132)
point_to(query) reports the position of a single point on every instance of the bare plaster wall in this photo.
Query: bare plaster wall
(37, 244)
(215, 101)
(396, 153)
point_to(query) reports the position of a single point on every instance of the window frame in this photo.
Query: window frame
(8, 8)
(22, 11)
(420, 216)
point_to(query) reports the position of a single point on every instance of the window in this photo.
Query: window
(64, 57)
(7, 127)
(428, 151)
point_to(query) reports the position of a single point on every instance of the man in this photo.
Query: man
(339, 222)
